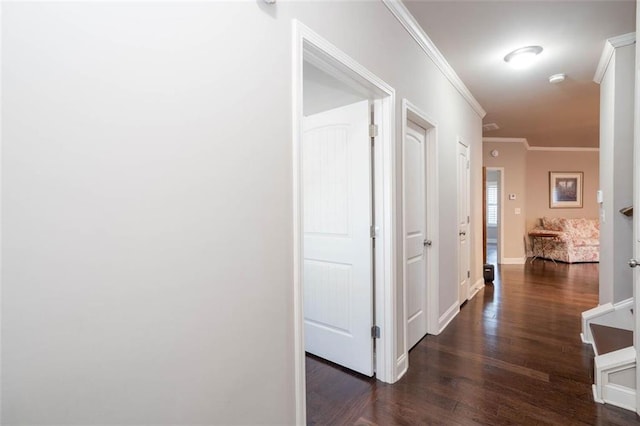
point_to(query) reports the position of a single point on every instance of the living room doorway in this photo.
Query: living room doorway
(493, 194)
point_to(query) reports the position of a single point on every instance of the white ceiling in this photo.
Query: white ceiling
(474, 37)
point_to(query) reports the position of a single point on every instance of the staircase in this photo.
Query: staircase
(609, 329)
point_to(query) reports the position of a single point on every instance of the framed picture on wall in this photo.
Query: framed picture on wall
(565, 190)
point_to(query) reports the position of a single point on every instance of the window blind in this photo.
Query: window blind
(492, 203)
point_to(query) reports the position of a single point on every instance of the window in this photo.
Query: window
(492, 203)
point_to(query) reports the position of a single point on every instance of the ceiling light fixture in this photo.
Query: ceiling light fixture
(557, 78)
(523, 57)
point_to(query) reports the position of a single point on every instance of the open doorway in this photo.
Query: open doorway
(344, 244)
(493, 214)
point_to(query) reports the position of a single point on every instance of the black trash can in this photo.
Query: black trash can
(488, 273)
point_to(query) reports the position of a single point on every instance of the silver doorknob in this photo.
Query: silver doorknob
(427, 243)
(633, 263)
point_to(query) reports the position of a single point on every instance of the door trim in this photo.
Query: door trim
(411, 112)
(500, 213)
(308, 44)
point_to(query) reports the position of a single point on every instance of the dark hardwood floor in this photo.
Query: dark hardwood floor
(513, 355)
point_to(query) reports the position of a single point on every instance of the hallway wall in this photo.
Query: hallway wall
(616, 179)
(147, 203)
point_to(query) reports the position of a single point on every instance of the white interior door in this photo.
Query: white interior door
(415, 231)
(463, 223)
(337, 275)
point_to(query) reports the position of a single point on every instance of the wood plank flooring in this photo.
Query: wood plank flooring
(513, 355)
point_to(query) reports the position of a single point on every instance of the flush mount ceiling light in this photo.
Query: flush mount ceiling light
(523, 57)
(557, 78)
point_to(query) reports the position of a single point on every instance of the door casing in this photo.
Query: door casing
(411, 112)
(308, 45)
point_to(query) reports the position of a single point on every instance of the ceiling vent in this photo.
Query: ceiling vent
(489, 127)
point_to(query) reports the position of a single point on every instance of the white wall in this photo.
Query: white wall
(616, 176)
(147, 203)
(146, 215)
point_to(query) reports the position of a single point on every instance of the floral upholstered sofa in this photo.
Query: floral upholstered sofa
(567, 240)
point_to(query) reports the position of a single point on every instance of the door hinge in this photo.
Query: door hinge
(375, 332)
(372, 231)
(468, 274)
(468, 163)
(468, 219)
(373, 130)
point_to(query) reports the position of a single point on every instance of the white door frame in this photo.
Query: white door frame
(500, 256)
(413, 113)
(309, 45)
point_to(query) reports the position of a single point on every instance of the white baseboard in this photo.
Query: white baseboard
(476, 288)
(623, 304)
(620, 396)
(514, 260)
(596, 397)
(448, 316)
(584, 340)
(402, 365)
(597, 311)
(615, 360)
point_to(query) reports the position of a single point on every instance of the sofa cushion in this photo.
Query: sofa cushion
(583, 228)
(554, 223)
(586, 242)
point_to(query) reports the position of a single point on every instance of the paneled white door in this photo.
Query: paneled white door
(463, 223)
(415, 231)
(337, 275)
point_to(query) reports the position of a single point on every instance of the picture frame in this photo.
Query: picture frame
(565, 190)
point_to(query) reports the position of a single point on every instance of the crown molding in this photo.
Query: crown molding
(563, 148)
(610, 46)
(407, 20)
(525, 142)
